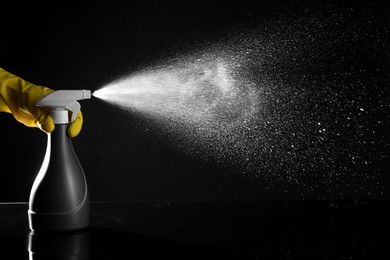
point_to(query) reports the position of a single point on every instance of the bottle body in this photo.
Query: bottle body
(60, 246)
(59, 198)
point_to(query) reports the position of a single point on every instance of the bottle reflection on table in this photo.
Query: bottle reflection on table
(73, 245)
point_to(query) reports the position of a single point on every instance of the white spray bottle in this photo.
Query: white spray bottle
(59, 198)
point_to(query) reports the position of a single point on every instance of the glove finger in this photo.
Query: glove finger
(45, 123)
(42, 119)
(30, 97)
(75, 127)
(24, 118)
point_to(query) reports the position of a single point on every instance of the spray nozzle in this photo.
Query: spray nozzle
(62, 101)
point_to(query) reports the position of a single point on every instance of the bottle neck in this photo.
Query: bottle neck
(59, 137)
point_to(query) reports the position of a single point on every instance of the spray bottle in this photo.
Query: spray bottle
(59, 198)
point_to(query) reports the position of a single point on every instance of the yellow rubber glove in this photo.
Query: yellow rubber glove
(19, 97)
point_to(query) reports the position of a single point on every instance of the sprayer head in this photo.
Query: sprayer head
(62, 98)
(62, 101)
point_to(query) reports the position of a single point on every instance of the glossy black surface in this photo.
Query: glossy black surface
(59, 188)
(208, 230)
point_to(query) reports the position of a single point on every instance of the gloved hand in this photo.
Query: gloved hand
(19, 97)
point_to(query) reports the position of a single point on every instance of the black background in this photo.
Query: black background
(65, 45)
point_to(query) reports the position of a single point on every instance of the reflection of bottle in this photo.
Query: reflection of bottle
(61, 246)
(59, 198)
